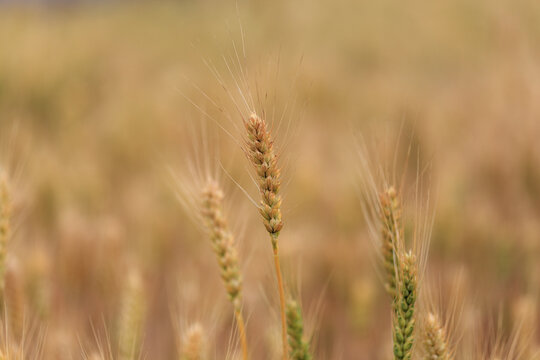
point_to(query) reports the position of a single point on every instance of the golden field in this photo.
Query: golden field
(100, 103)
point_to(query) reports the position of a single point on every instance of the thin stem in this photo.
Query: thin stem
(242, 332)
(281, 301)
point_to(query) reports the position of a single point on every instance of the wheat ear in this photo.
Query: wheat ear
(224, 248)
(435, 342)
(132, 313)
(5, 215)
(299, 349)
(194, 343)
(259, 149)
(404, 308)
(391, 233)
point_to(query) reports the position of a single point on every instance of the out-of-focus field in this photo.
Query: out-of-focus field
(93, 111)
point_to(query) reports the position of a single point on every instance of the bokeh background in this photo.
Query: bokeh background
(96, 108)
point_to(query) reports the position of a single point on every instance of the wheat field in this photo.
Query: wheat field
(270, 180)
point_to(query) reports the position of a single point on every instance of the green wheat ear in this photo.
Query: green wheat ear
(298, 348)
(404, 308)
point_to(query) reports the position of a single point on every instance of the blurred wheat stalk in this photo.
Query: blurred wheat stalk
(5, 215)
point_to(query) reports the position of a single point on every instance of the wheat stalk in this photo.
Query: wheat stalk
(131, 321)
(259, 149)
(224, 248)
(299, 349)
(194, 343)
(435, 341)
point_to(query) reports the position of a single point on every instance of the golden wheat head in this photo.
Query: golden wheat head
(260, 151)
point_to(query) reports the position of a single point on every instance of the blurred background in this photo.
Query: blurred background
(96, 104)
